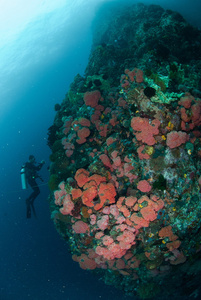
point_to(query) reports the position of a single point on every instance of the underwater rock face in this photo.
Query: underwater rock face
(126, 172)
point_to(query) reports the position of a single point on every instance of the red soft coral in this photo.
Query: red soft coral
(144, 130)
(176, 138)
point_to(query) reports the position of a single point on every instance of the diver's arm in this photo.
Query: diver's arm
(40, 165)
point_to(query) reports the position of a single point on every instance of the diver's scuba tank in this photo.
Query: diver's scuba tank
(23, 177)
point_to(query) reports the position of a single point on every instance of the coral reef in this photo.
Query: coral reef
(126, 146)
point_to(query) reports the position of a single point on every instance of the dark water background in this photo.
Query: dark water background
(34, 261)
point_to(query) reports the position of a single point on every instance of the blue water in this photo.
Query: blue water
(37, 68)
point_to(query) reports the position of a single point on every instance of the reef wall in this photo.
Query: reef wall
(125, 172)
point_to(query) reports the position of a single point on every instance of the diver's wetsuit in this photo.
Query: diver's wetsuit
(31, 175)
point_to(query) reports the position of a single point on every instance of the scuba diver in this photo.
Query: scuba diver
(29, 175)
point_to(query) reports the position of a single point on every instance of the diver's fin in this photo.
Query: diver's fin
(34, 211)
(28, 209)
(28, 212)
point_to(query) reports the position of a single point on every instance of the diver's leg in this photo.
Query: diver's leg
(29, 201)
(33, 196)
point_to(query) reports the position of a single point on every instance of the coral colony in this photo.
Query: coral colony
(126, 172)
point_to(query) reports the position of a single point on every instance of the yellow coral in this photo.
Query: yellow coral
(149, 150)
(170, 125)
